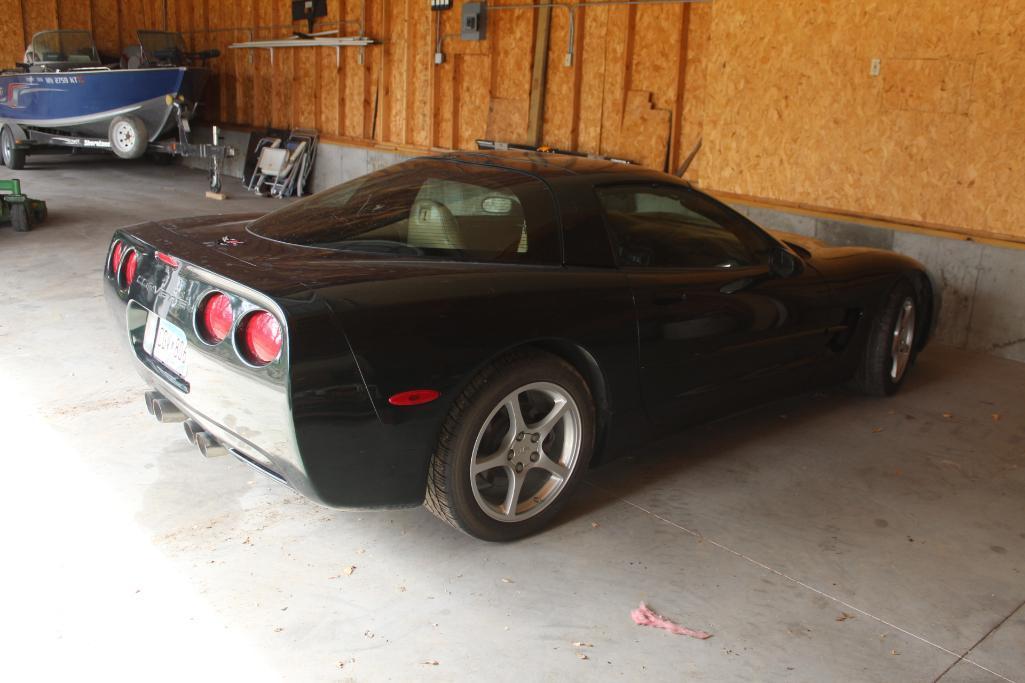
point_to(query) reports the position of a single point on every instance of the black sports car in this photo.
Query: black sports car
(475, 330)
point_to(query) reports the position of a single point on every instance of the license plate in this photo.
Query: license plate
(166, 342)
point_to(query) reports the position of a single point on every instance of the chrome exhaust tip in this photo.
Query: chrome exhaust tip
(209, 446)
(150, 397)
(192, 430)
(165, 411)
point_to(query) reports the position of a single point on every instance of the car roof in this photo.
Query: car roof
(545, 164)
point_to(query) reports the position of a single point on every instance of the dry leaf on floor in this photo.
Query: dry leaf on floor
(996, 417)
(581, 655)
(505, 580)
(948, 416)
(876, 430)
(844, 616)
(349, 570)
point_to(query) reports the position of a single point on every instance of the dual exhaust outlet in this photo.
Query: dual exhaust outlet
(165, 411)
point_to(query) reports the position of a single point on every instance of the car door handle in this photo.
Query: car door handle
(669, 297)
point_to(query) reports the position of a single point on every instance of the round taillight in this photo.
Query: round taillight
(115, 256)
(259, 338)
(214, 318)
(129, 267)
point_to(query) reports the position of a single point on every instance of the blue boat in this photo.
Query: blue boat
(63, 95)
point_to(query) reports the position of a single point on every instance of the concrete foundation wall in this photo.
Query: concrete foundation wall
(982, 286)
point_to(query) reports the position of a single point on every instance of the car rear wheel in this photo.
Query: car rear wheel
(513, 448)
(890, 349)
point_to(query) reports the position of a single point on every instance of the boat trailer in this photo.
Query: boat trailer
(33, 141)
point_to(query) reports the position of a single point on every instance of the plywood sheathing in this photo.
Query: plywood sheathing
(793, 114)
(12, 28)
(779, 92)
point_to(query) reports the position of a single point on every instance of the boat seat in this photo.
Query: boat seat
(131, 57)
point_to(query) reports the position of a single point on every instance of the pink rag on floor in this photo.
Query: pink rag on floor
(643, 616)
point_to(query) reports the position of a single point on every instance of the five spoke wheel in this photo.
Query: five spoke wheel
(903, 339)
(525, 452)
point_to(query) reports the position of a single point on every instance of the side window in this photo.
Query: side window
(673, 227)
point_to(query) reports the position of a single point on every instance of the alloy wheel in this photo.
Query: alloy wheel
(903, 339)
(525, 452)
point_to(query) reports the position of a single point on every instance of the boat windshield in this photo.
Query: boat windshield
(162, 45)
(68, 47)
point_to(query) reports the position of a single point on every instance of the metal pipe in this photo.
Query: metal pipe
(192, 430)
(165, 411)
(149, 397)
(209, 446)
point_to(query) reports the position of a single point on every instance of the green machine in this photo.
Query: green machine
(21, 211)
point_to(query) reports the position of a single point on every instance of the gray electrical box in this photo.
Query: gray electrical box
(473, 20)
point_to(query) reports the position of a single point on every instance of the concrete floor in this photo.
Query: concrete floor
(128, 554)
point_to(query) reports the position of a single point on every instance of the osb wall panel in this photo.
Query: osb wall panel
(779, 93)
(622, 95)
(791, 112)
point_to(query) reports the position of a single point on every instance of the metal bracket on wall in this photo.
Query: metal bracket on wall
(318, 41)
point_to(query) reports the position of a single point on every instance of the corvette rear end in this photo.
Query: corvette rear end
(214, 351)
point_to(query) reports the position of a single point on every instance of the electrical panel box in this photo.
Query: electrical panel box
(438, 5)
(472, 22)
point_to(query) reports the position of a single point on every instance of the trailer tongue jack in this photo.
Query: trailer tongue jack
(215, 152)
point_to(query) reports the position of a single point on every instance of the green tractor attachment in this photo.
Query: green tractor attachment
(23, 212)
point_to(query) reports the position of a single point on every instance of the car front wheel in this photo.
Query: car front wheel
(513, 448)
(891, 347)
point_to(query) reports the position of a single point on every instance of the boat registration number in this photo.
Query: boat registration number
(166, 342)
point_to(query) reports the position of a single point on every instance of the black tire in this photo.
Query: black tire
(128, 137)
(876, 376)
(12, 157)
(20, 218)
(451, 490)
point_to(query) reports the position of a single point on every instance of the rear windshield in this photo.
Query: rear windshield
(427, 208)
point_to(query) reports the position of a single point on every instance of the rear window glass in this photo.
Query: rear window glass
(427, 208)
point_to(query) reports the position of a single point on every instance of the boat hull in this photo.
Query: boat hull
(83, 103)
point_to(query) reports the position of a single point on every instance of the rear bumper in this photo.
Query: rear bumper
(307, 419)
(245, 412)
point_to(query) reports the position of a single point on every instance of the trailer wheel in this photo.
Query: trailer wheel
(127, 135)
(13, 157)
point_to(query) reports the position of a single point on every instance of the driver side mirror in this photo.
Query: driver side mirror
(784, 264)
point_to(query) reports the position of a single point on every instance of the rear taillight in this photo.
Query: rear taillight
(128, 268)
(115, 257)
(167, 258)
(259, 338)
(214, 318)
